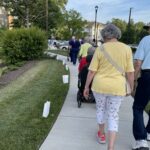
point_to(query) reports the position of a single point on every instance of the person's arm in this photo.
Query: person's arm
(137, 66)
(80, 52)
(89, 79)
(130, 78)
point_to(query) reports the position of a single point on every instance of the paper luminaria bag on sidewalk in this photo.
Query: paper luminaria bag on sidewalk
(67, 68)
(65, 79)
(46, 109)
(64, 62)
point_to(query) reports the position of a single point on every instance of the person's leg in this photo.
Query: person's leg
(71, 56)
(100, 113)
(111, 139)
(102, 128)
(113, 105)
(75, 53)
(148, 124)
(148, 127)
(140, 101)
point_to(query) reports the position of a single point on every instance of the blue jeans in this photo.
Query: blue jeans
(142, 97)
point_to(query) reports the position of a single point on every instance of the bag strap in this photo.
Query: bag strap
(109, 58)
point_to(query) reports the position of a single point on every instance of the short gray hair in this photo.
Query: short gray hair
(111, 31)
(91, 50)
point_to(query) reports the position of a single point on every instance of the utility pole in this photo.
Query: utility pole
(47, 16)
(129, 24)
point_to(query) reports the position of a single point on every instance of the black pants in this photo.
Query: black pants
(74, 55)
(142, 97)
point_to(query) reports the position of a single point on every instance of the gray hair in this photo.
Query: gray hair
(91, 50)
(111, 31)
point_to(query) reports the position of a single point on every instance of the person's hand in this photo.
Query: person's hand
(134, 89)
(86, 93)
(128, 94)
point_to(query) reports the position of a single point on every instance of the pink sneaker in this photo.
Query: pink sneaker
(101, 138)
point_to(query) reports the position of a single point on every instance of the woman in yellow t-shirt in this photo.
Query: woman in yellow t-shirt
(108, 84)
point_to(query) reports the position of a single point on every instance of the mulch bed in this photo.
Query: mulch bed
(12, 75)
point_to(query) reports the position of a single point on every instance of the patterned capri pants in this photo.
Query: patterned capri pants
(107, 109)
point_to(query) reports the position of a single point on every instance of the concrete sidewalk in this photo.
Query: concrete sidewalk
(76, 128)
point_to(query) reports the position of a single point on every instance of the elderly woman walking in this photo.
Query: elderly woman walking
(108, 83)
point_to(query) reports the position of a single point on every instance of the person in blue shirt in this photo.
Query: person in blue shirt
(142, 94)
(74, 49)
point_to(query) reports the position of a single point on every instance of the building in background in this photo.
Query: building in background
(6, 20)
(3, 18)
(90, 30)
(10, 21)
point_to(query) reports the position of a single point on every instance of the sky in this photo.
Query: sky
(109, 9)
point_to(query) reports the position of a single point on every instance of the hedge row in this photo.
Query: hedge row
(23, 44)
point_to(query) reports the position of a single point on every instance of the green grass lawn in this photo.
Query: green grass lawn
(21, 104)
(61, 52)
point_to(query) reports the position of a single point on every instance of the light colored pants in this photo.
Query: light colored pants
(107, 109)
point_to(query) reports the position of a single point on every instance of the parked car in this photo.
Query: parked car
(64, 45)
(58, 44)
(53, 44)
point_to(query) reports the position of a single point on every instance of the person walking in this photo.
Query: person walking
(84, 48)
(142, 94)
(108, 84)
(74, 49)
(83, 60)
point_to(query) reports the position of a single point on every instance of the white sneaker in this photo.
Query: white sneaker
(148, 136)
(141, 145)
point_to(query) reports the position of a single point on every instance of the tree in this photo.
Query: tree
(120, 23)
(140, 32)
(33, 12)
(74, 24)
(131, 33)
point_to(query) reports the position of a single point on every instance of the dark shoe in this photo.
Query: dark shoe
(141, 148)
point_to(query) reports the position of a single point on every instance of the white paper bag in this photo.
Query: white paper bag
(46, 109)
(65, 79)
(57, 58)
(64, 62)
(67, 68)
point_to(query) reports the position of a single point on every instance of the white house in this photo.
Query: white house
(92, 32)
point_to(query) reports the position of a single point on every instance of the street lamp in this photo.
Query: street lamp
(95, 35)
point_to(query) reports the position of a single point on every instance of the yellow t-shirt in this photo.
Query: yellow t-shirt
(83, 50)
(108, 80)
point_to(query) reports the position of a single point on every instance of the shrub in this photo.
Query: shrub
(23, 44)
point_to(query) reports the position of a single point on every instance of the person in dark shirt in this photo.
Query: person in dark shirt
(83, 73)
(74, 49)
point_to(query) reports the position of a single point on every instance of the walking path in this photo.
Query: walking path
(76, 128)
